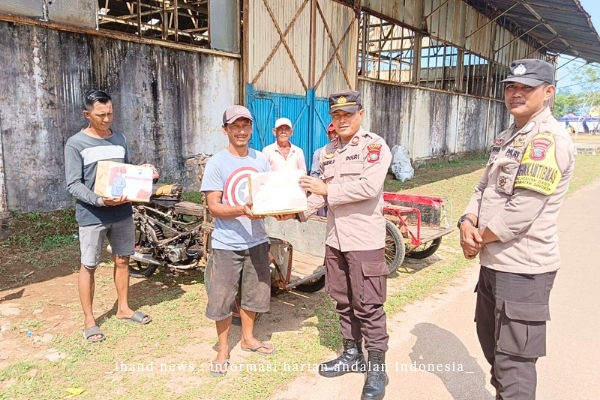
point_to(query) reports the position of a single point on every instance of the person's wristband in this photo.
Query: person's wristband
(463, 219)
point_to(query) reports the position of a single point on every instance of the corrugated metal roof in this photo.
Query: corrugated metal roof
(564, 26)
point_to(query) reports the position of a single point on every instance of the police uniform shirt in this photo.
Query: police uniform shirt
(520, 194)
(355, 174)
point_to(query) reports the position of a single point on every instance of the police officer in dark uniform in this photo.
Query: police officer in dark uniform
(352, 170)
(511, 223)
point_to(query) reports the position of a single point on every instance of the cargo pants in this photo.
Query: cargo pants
(357, 281)
(511, 314)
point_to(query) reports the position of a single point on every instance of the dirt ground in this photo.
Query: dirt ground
(41, 311)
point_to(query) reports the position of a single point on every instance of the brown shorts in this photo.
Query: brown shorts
(233, 270)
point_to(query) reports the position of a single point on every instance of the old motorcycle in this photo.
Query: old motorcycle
(169, 232)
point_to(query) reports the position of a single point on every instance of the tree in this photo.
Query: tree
(589, 75)
(565, 103)
(581, 102)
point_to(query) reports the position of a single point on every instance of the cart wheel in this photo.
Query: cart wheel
(313, 285)
(138, 269)
(394, 246)
(426, 249)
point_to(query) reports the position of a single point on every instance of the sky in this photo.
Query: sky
(592, 7)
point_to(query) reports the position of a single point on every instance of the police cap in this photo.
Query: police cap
(531, 72)
(346, 100)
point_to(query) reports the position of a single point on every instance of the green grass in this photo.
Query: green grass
(57, 240)
(438, 171)
(193, 196)
(587, 170)
(31, 324)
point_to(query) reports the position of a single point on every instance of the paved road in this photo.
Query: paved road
(440, 332)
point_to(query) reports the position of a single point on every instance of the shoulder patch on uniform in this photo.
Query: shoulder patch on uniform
(539, 147)
(539, 170)
(374, 152)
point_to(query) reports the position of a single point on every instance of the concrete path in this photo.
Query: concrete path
(434, 353)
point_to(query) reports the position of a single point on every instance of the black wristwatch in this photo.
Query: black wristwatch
(463, 219)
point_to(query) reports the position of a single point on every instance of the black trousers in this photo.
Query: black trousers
(511, 314)
(357, 281)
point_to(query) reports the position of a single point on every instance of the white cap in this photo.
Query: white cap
(283, 121)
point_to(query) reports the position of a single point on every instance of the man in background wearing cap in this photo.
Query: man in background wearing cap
(314, 168)
(353, 168)
(511, 223)
(239, 240)
(282, 154)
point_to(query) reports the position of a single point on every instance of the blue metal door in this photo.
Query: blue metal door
(309, 116)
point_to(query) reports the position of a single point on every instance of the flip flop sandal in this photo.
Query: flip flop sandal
(138, 317)
(93, 331)
(219, 370)
(256, 349)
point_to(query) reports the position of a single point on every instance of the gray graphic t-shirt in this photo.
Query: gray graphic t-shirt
(229, 174)
(82, 153)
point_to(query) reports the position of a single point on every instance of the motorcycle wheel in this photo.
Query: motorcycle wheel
(425, 250)
(141, 270)
(313, 285)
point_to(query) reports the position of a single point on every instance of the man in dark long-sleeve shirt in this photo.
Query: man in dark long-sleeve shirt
(100, 217)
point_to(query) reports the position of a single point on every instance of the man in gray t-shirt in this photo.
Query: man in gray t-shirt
(240, 258)
(100, 217)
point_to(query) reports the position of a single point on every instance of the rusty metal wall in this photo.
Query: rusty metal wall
(336, 75)
(275, 66)
(457, 23)
(409, 12)
(167, 102)
(270, 70)
(74, 12)
(431, 123)
(516, 50)
(28, 8)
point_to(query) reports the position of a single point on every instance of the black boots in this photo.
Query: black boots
(377, 378)
(351, 360)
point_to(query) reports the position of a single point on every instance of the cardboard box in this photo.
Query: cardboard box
(114, 179)
(277, 192)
